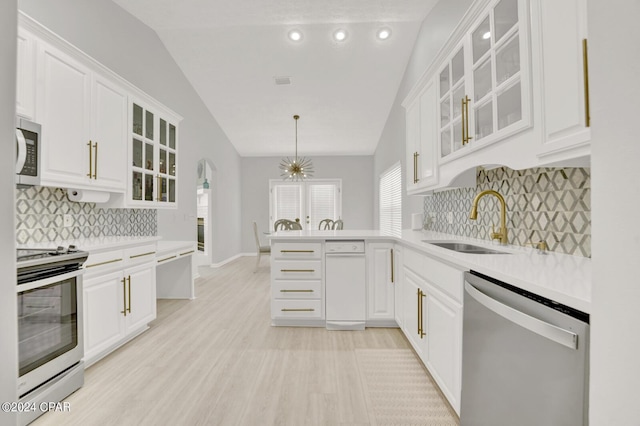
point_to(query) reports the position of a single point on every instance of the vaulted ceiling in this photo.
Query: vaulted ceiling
(232, 52)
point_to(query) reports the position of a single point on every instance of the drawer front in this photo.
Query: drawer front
(297, 269)
(296, 250)
(296, 289)
(97, 262)
(140, 254)
(447, 278)
(311, 309)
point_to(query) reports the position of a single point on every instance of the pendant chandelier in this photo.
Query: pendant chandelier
(297, 168)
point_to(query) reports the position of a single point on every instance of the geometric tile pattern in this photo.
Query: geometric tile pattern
(40, 218)
(551, 204)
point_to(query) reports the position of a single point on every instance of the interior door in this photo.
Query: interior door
(309, 201)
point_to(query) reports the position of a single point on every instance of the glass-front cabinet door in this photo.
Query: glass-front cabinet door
(452, 92)
(153, 158)
(499, 52)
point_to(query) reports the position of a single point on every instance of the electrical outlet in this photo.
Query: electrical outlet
(450, 218)
(68, 220)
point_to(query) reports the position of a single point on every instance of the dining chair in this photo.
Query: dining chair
(286, 225)
(338, 224)
(325, 224)
(260, 250)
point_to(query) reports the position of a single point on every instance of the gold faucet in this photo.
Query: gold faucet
(502, 232)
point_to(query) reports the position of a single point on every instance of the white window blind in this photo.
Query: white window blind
(287, 202)
(391, 200)
(310, 201)
(323, 203)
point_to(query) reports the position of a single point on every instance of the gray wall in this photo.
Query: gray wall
(357, 191)
(614, 66)
(434, 31)
(8, 313)
(113, 37)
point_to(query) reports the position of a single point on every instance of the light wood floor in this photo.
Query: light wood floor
(216, 360)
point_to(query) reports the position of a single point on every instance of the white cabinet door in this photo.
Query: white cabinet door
(413, 326)
(108, 135)
(427, 162)
(141, 296)
(398, 287)
(26, 75)
(380, 281)
(63, 109)
(443, 356)
(103, 306)
(563, 29)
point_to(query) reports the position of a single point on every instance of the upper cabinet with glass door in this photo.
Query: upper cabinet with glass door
(485, 86)
(153, 174)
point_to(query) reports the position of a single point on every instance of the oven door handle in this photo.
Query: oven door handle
(50, 280)
(22, 150)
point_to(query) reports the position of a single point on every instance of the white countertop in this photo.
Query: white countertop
(169, 246)
(563, 278)
(95, 243)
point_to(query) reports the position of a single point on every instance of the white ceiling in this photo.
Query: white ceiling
(231, 51)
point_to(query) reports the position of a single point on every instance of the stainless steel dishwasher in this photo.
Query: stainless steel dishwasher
(345, 285)
(524, 358)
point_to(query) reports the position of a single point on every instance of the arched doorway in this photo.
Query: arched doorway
(205, 199)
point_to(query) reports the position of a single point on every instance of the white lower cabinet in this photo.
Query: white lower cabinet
(117, 306)
(381, 280)
(398, 287)
(432, 319)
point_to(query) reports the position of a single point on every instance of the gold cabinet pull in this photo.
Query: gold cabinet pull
(95, 164)
(129, 292)
(464, 139)
(124, 296)
(466, 115)
(297, 310)
(297, 270)
(415, 167)
(392, 267)
(142, 254)
(159, 181)
(296, 291)
(297, 251)
(421, 316)
(419, 312)
(90, 174)
(187, 252)
(585, 70)
(167, 258)
(103, 263)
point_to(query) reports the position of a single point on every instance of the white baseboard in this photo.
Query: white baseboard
(230, 259)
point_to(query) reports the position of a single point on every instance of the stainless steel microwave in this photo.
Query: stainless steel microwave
(28, 152)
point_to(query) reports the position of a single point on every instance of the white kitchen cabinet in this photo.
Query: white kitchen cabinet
(413, 310)
(381, 280)
(562, 40)
(297, 284)
(443, 357)
(83, 118)
(141, 296)
(398, 287)
(26, 75)
(153, 157)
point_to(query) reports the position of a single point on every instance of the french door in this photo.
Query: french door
(309, 201)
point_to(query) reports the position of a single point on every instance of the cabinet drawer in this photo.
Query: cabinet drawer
(445, 277)
(296, 250)
(297, 269)
(103, 261)
(296, 308)
(296, 289)
(140, 254)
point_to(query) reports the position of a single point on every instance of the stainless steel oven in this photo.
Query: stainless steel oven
(50, 344)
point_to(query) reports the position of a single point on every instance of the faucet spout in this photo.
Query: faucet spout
(502, 232)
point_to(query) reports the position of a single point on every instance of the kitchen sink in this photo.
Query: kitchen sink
(464, 247)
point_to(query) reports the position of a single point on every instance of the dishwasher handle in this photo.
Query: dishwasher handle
(542, 328)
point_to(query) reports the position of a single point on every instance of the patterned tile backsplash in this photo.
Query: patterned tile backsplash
(551, 204)
(40, 215)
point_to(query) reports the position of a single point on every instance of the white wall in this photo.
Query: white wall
(115, 38)
(8, 309)
(357, 191)
(435, 30)
(614, 68)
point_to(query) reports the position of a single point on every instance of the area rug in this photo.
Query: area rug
(399, 390)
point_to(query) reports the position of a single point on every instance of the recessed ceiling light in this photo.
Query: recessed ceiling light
(340, 35)
(295, 35)
(383, 33)
(486, 35)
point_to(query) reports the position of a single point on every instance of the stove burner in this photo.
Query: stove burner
(37, 263)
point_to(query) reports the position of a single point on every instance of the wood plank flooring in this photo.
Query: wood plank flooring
(216, 360)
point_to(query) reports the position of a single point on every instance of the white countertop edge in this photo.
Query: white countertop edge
(168, 246)
(562, 278)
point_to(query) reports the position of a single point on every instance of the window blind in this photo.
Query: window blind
(390, 215)
(323, 203)
(287, 202)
